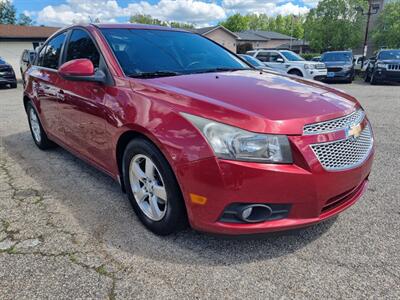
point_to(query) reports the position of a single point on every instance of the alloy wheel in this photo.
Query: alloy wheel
(35, 126)
(148, 187)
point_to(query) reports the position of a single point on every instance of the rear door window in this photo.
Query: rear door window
(51, 54)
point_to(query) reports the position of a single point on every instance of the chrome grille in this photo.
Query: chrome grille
(320, 66)
(393, 67)
(344, 154)
(335, 124)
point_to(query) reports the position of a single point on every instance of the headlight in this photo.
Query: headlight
(347, 67)
(233, 143)
(309, 66)
(381, 66)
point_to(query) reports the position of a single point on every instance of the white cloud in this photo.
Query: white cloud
(200, 12)
(269, 7)
(74, 11)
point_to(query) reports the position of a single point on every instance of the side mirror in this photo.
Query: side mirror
(280, 60)
(81, 70)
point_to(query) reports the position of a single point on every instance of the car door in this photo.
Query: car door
(45, 84)
(276, 61)
(83, 112)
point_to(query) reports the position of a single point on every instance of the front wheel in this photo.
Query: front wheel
(373, 79)
(152, 188)
(39, 136)
(295, 72)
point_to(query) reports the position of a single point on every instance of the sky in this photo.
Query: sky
(198, 12)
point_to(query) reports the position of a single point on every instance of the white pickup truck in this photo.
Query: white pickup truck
(289, 62)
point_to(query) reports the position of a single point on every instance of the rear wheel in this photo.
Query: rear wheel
(39, 136)
(152, 188)
(295, 72)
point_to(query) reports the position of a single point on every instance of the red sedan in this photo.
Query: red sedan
(194, 134)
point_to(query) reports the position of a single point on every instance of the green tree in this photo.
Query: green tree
(146, 19)
(335, 25)
(387, 28)
(7, 12)
(181, 25)
(25, 20)
(236, 23)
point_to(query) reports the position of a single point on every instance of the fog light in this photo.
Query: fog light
(255, 213)
(247, 212)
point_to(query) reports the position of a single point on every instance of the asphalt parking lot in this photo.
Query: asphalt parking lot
(67, 232)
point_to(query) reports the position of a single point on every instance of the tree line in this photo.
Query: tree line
(332, 25)
(8, 15)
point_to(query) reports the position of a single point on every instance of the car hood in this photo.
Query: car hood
(258, 101)
(336, 63)
(390, 61)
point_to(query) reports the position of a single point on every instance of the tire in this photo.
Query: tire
(295, 72)
(38, 134)
(367, 78)
(13, 85)
(373, 80)
(162, 215)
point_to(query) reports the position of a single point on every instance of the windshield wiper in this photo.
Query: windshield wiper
(154, 74)
(221, 70)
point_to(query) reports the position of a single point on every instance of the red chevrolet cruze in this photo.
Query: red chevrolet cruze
(194, 134)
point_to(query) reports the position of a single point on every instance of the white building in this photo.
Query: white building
(14, 39)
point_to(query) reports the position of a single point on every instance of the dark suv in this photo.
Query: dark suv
(384, 67)
(340, 65)
(7, 75)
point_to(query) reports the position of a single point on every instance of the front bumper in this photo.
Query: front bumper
(7, 80)
(340, 76)
(316, 74)
(304, 185)
(385, 75)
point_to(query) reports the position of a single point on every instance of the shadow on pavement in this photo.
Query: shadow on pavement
(103, 211)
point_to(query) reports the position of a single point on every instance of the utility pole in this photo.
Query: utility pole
(372, 10)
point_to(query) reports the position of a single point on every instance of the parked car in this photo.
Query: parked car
(358, 62)
(365, 65)
(26, 60)
(340, 65)
(289, 62)
(384, 67)
(7, 75)
(257, 63)
(193, 134)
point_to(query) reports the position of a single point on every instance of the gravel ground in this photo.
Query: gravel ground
(66, 231)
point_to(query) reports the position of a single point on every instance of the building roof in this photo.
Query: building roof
(261, 35)
(250, 36)
(26, 32)
(206, 30)
(295, 43)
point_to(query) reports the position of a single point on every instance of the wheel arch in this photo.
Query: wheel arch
(295, 69)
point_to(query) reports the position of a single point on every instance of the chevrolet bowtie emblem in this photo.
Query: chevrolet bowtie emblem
(354, 131)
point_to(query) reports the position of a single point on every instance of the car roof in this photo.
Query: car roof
(341, 51)
(134, 26)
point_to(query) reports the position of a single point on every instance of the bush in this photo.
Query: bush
(308, 56)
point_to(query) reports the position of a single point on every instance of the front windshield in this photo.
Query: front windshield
(336, 56)
(149, 51)
(253, 61)
(389, 54)
(2, 61)
(291, 56)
